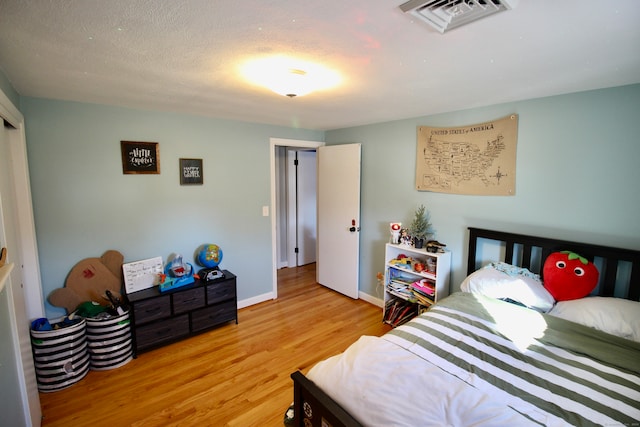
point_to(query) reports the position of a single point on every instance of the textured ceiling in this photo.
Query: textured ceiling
(183, 56)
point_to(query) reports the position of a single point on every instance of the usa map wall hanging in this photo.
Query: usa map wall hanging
(477, 159)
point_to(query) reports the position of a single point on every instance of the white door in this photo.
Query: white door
(301, 206)
(292, 210)
(19, 400)
(339, 218)
(306, 207)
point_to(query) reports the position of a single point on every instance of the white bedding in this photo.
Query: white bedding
(433, 398)
(396, 381)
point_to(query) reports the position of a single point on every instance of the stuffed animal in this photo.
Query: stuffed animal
(567, 275)
(89, 280)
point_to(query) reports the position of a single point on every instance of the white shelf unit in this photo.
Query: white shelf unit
(401, 303)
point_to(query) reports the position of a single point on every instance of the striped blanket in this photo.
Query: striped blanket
(551, 371)
(472, 360)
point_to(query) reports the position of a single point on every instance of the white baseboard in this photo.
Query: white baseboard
(269, 296)
(371, 299)
(255, 300)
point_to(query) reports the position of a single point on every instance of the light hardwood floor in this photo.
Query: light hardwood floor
(235, 375)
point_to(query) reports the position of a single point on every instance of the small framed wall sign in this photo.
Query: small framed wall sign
(140, 157)
(190, 171)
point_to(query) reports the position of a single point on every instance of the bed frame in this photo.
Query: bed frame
(619, 268)
(619, 277)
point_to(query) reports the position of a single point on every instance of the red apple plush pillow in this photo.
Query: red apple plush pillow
(569, 276)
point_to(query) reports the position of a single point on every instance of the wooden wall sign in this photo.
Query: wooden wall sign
(140, 157)
(191, 171)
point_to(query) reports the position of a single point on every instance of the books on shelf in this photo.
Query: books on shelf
(424, 287)
(398, 312)
(416, 291)
(423, 300)
(403, 293)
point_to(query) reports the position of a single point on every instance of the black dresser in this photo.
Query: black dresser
(159, 318)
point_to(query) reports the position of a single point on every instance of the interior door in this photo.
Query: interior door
(306, 207)
(301, 206)
(339, 218)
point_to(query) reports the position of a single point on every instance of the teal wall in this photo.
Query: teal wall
(577, 177)
(84, 204)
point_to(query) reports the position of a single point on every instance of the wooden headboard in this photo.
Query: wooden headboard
(619, 268)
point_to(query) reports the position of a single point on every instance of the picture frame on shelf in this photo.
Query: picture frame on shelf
(140, 157)
(191, 172)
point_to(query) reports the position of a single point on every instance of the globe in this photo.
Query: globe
(210, 256)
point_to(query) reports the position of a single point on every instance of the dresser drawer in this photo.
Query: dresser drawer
(188, 300)
(221, 292)
(213, 315)
(152, 309)
(162, 331)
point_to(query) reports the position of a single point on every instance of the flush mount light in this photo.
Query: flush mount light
(289, 77)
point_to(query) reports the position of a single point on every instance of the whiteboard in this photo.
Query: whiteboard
(143, 274)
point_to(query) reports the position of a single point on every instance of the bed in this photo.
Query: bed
(476, 359)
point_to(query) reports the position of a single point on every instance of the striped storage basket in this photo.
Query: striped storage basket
(61, 356)
(109, 342)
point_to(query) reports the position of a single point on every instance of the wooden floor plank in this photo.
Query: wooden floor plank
(235, 375)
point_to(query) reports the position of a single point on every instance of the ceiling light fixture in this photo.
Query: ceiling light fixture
(445, 15)
(289, 77)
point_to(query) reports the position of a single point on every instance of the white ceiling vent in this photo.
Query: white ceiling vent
(445, 15)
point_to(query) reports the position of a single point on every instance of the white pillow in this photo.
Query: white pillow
(497, 284)
(614, 316)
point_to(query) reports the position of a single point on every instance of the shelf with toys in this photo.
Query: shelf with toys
(414, 279)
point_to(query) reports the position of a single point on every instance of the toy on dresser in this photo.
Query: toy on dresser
(177, 274)
(210, 257)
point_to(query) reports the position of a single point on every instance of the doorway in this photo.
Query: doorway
(279, 223)
(338, 214)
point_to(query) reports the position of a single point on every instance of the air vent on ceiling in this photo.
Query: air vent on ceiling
(445, 15)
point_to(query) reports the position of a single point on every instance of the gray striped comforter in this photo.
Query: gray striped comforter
(475, 361)
(551, 371)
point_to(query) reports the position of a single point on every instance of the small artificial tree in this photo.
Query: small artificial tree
(420, 227)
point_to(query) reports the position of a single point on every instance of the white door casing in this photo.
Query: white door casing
(275, 144)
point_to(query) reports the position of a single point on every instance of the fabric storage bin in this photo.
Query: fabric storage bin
(109, 342)
(60, 355)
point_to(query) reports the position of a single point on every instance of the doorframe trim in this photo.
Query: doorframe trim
(273, 144)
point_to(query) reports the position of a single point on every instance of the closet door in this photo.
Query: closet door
(10, 392)
(19, 399)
